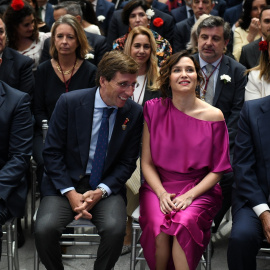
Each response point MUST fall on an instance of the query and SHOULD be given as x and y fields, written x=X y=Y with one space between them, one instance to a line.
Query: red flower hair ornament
x=263 y=45
x=17 y=5
x=158 y=22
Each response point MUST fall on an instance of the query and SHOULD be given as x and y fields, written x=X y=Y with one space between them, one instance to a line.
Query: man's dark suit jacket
x=182 y=34
x=106 y=9
x=97 y=42
x=231 y=15
x=118 y=28
x=67 y=145
x=49 y=19
x=229 y=97
x=16 y=71
x=252 y=155
x=15 y=147
x=250 y=55
x=179 y=14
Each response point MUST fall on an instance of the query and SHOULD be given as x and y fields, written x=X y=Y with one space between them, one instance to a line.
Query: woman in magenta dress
x=184 y=154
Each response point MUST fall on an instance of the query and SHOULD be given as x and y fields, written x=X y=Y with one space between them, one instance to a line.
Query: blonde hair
x=193 y=42
x=72 y=21
x=152 y=67
x=264 y=64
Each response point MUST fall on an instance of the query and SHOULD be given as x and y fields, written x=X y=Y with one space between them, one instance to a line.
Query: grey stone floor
x=219 y=261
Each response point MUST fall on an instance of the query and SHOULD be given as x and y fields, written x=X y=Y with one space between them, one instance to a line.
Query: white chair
x=10 y=238
x=137 y=251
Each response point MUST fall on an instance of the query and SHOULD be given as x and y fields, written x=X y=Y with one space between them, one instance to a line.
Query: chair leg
x=133 y=249
x=36 y=260
x=15 y=245
x=208 y=256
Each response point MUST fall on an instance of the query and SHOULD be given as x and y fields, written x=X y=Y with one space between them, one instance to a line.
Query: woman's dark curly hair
x=166 y=69
x=245 y=18
x=130 y=6
x=13 y=18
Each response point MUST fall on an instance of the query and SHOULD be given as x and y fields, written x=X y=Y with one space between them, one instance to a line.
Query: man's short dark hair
x=113 y=62
x=263 y=9
x=215 y=21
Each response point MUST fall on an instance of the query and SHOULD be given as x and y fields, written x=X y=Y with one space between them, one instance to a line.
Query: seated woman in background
x=258 y=84
x=248 y=29
x=135 y=14
x=185 y=151
x=89 y=20
x=66 y=71
x=141 y=46
x=22 y=30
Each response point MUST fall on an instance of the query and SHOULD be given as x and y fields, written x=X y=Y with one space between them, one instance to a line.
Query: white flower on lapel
x=101 y=18
x=150 y=13
x=89 y=56
x=225 y=78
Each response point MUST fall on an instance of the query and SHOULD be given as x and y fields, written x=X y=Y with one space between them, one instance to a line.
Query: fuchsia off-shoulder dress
x=184 y=149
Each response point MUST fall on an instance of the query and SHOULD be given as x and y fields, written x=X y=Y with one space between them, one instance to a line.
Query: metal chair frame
x=137 y=251
x=10 y=237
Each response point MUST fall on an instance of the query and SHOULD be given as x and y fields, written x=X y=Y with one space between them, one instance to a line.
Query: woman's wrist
x=162 y=194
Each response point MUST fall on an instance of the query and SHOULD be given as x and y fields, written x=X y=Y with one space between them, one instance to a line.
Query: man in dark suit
x=46 y=12
x=184 y=12
x=70 y=188
x=182 y=29
x=232 y=14
x=15 y=151
x=118 y=28
x=250 y=54
x=104 y=8
x=97 y=42
x=228 y=87
x=15 y=68
x=250 y=204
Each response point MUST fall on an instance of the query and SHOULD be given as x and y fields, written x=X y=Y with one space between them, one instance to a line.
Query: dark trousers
x=226 y=187
x=245 y=240
x=54 y=214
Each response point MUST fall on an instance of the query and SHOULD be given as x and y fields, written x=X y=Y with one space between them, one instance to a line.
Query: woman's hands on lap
x=183 y=201
x=166 y=203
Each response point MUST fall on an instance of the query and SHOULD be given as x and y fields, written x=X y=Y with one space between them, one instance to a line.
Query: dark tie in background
x=209 y=96
x=190 y=12
x=101 y=149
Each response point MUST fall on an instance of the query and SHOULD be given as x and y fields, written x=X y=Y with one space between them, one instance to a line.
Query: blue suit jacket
x=252 y=155
x=229 y=97
x=106 y=9
x=49 y=20
x=66 y=150
x=16 y=71
x=15 y=147
x=231 y=15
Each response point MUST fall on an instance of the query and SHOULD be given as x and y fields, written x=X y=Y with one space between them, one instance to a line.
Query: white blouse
x=256 y=88
x=35 y=50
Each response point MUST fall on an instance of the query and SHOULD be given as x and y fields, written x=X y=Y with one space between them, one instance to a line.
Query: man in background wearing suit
x=70 y=187
x=15 y=68
x=103 y=8
x=15 y=151
x=182 y=29
x=227 y=93
x=97 y=42
x=46 y=12
x=250 y=204
x=250 y=54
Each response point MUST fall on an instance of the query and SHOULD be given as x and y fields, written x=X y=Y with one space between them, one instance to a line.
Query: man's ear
x=226 y=42
x=102 y=81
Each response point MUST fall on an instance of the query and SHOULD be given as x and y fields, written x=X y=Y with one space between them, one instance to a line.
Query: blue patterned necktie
x=209 y=96
x=101 y=149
